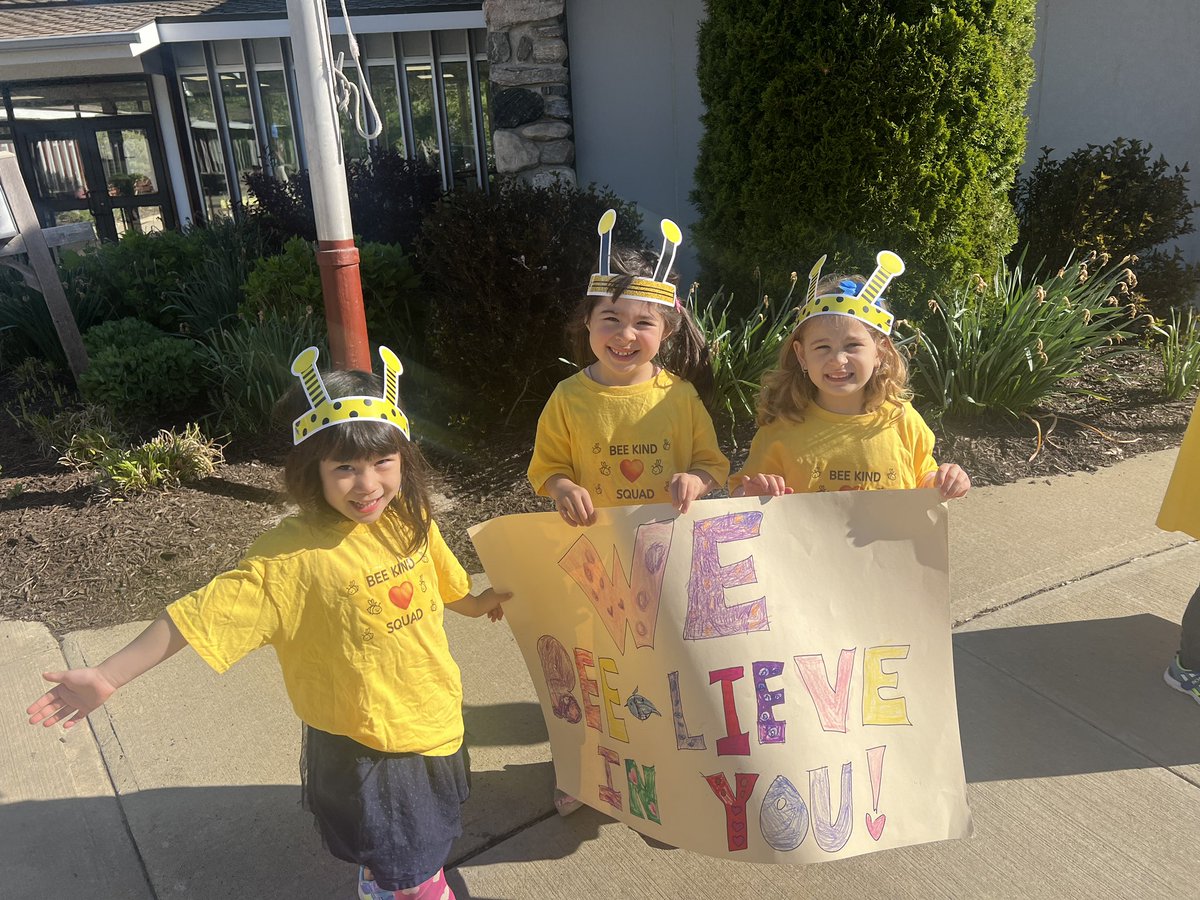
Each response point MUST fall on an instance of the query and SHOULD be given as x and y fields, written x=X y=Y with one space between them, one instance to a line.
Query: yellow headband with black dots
x=862 y=302
x=656 y=289
x=326 y=411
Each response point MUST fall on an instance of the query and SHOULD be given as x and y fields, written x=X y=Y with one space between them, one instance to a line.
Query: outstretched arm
x=486 y=603
x=80 y=691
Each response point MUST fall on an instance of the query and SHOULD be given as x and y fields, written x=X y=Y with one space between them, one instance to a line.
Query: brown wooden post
x=42 y=263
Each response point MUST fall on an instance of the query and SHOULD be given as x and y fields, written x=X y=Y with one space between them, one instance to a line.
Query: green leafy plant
x=289 y=285
x=28 y=329
x=137 y=370
x=1179 y=351
x=166 y=461
x=742 y=348
x=248 y=368
x=846 y=128
x=1113 y=199
x=1006 y=346
x=503 y=272
x=142 y=275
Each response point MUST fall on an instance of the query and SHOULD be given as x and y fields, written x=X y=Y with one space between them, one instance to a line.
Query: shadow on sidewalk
x=214 y=843
x=1090 y=698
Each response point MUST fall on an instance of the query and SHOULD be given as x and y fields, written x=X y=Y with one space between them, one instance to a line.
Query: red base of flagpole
x=341 y=286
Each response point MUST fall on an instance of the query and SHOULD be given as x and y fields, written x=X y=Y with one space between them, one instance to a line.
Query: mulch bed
x=74 y=558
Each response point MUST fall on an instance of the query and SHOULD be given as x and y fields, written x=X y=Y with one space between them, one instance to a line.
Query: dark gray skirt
x=395 y=813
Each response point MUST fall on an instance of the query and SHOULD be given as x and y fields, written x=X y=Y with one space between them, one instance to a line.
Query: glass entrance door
x=107 y=171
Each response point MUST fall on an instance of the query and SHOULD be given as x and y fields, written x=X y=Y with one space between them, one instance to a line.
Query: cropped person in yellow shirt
x=351 y=594
x=629 y=427
x=1181 y=512
x=835 y=415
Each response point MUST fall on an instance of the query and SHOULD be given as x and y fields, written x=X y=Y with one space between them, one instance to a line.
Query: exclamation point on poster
x=875 y=765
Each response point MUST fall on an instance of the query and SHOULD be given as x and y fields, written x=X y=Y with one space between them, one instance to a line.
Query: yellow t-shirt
x=356 y=624
x=1181 y=503
x=887 y=449
x=623 y=443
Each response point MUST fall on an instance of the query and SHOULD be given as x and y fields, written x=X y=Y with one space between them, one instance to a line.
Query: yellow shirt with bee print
x=623 y=443
x=891 y=448
x=356 y=624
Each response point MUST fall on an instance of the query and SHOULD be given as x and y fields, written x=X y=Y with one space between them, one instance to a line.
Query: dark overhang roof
x=57 y=18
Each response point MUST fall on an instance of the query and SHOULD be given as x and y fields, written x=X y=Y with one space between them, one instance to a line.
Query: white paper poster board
x=769 y=681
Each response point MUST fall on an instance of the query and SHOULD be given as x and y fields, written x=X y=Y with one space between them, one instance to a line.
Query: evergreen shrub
x=847 y=128
x=138 y=371
x=503 y=271
x=1113 y=199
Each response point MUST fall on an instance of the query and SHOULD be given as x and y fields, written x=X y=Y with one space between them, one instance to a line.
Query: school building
x=146 y=113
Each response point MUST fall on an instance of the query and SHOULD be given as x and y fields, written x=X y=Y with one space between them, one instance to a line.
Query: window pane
x=128 y=166
x=266 y=50
x=420 y=95
x=461 y=121
x=71 y=100
x=387 y=102
x=241 y=126
x=58 y=168
x=485 y=101
x=138 y=218
x=280 y=135
x=205 y=144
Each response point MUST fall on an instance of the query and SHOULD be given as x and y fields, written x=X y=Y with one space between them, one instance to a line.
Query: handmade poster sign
x=768 y=681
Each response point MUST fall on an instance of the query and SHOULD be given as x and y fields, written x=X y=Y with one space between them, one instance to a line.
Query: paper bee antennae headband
x=862 y=302
x=326 y=412
x=657 y=288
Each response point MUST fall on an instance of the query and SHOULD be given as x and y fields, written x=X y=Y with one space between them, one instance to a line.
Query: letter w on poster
x=769 y=681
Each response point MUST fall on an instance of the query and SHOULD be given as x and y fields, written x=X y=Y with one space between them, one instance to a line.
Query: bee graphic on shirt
x=424 y=584
x=816 y=473
x=596 y=447
x=666 y=443
x=352 y=588
x=891 y=474
x=368 y=635
x=605 y=469
x=657 y=468
x=598 y=491
x=373 y=607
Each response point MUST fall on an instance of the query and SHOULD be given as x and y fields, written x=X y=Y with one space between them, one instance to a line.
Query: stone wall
x=531 y=108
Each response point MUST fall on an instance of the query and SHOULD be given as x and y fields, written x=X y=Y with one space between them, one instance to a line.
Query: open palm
x=78 y=692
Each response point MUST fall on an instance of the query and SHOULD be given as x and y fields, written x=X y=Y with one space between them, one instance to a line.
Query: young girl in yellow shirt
x=351 y=594
x=630 y=426
x=835 y=415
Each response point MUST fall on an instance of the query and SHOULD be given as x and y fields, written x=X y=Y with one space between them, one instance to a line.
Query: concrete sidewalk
x=1083 y=769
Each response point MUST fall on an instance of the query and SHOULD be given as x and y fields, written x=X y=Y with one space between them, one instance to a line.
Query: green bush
x=141 y=274
x=248 y=368
x=289 y=285
x=847 y=128
x=138 y=371
x=1112 y=199
x=26 y=328
x=503 y=271
x=1006 y=346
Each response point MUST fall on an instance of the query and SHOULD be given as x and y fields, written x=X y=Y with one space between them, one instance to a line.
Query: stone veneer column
x=531 y=115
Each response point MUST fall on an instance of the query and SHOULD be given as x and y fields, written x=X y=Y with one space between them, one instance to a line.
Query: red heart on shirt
x=401 y=594
x=632 y=469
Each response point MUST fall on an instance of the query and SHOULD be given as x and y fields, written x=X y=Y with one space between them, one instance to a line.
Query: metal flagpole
x=337 y=257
